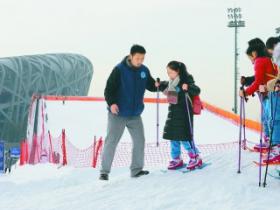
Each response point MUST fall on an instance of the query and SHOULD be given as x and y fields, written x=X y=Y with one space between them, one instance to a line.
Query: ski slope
x=216 y=187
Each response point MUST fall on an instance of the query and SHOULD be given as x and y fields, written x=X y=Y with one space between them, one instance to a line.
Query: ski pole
x=158 y=80
x=271 y=133
x=244 y=125
x=240 y=134
x=261 y=134
x=241 y=121
x=190 y=122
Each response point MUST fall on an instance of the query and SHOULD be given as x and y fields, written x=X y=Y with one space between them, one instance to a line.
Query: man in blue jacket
x=124 y=94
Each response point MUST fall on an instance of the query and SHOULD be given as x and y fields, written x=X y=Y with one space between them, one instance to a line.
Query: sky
x=194 y=32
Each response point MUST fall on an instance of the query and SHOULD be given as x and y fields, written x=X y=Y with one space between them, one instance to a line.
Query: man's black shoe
x=104 y=177
x=141 y=173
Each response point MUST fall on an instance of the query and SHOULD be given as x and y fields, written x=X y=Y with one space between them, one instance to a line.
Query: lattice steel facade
x=23 y=76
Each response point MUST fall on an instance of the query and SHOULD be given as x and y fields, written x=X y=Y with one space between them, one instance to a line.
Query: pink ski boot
x=175 y=164
x=195 y=161
x=264 y=147
x=274 y=157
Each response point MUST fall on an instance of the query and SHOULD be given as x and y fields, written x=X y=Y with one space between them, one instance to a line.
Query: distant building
x=23 y=76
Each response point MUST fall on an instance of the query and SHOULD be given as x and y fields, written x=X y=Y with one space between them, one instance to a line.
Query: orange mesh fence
x=62 y=151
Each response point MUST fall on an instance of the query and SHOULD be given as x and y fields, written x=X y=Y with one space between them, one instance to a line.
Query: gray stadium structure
x=24 y=76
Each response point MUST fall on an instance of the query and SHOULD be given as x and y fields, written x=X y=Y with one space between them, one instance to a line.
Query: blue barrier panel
x=15 y=152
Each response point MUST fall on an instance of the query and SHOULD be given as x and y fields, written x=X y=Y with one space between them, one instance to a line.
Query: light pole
x=234 y=16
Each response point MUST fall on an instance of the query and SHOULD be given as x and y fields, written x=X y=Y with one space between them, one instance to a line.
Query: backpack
x=197 y=105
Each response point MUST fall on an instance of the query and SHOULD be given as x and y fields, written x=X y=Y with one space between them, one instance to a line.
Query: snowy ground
x=217 y=187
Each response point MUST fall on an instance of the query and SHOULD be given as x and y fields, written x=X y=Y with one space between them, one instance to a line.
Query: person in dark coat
x=180 y=89
x=124 y=94
x=8 y=161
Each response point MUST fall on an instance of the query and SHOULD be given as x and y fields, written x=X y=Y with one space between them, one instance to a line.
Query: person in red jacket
x=265 y=70
x=270 y=45
x=247 y=81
